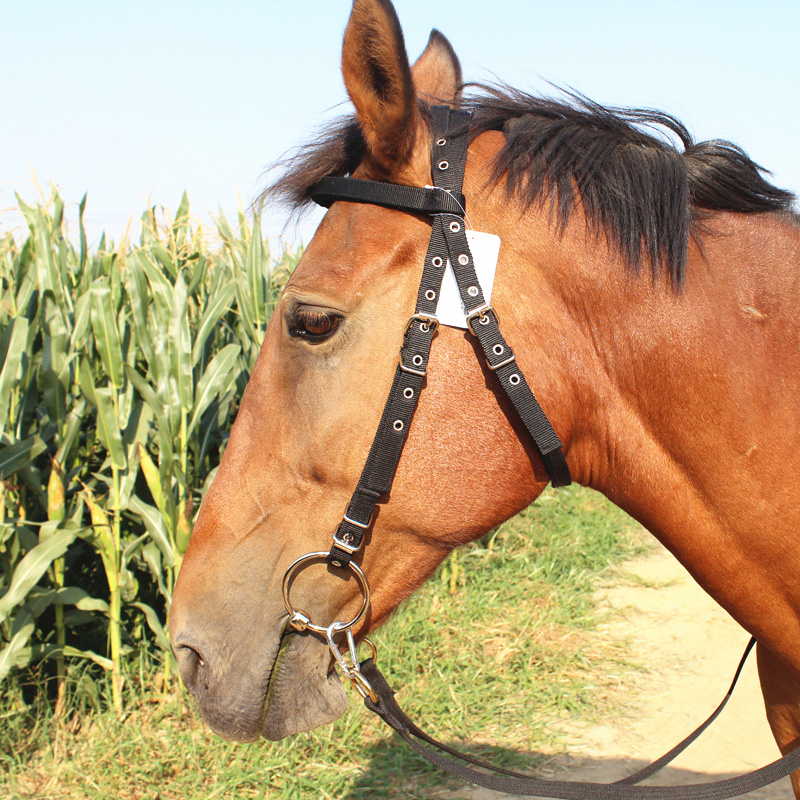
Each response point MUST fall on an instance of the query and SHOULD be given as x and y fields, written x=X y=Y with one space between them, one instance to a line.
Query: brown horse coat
x=667 y=360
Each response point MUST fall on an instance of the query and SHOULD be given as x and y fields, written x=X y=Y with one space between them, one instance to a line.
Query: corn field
x=120 y=373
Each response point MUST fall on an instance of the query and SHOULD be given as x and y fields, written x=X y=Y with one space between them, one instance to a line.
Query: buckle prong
x=480 y=313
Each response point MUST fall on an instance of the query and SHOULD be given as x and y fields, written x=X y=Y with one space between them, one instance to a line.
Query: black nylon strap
x=445 y=202
x=384 y=456
x=511 y=782
x=389 y=195
x=500 y=357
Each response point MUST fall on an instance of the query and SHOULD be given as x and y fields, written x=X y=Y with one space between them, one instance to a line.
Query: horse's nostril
x=192 y=666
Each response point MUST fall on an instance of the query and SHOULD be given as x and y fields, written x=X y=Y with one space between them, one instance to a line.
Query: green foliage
x=120 y=371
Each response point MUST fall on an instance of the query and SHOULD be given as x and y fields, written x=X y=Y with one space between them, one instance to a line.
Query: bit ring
x=299 y=620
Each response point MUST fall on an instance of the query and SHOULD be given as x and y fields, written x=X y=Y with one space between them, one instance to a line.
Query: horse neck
x=677 y=403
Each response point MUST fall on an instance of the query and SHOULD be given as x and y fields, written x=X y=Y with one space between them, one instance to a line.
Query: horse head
x=310 y=412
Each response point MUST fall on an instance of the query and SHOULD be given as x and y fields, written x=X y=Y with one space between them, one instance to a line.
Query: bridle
x=446 y=204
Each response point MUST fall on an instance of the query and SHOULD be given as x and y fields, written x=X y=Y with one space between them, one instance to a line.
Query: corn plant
x=43 y=418
x=119 y=373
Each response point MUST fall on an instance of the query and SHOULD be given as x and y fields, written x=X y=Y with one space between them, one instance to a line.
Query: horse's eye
x=313 y=323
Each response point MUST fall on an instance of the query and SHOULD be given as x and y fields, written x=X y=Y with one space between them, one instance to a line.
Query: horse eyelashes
x=313 y=324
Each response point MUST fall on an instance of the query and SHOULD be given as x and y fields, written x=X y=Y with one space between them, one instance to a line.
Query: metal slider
x=421 y=372
x=481 y=312
x=346 y=546
x=356 y=523
x=502 y=363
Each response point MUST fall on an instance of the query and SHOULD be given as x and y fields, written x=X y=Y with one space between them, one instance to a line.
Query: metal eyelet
x=408 y=392
x=455 y=227
x=417 y=361
x=430 y=295
x=472 y=291
x=398 y=425
x=443 y=165
x=441 y=142
x=513 y=379
x=498 y=349
x=437 y=262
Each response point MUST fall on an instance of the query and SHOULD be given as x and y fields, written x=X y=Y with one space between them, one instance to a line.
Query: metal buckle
x=481 y=312
x=429 y=320
x=346 y=546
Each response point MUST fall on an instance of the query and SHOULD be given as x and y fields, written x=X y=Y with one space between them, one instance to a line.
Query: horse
x=650 y=290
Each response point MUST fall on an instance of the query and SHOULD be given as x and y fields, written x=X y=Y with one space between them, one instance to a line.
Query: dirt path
x=688 y=648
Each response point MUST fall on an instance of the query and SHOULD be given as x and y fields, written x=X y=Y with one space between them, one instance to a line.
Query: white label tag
x=485 y=249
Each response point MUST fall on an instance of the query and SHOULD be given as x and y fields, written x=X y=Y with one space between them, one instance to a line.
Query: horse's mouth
x=303 y=690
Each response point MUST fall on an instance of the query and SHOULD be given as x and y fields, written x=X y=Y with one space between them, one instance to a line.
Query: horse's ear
x=377 y=76
x=437 y=73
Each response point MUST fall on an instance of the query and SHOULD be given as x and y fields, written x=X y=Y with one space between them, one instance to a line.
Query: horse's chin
x=304 y=690
x=301 y=692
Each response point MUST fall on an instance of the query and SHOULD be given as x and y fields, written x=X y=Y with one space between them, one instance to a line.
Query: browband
x=431 y=200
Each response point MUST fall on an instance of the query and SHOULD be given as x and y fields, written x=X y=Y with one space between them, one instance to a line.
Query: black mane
x=636 y=187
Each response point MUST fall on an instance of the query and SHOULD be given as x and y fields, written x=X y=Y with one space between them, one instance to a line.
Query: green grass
x=490 y=654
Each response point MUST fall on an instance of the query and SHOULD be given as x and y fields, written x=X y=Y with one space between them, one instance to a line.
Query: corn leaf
x=160 y=289
x=12 y=345
x=218 y=305
x=217 y=379
x=106 y=333
x=154 y=522
x=49 y=274
x=16 y=653
x=181 y=347
x=73 y=652
x=19 y=455
x=152 y=557
x=149 y=395
x=153 y=622
x=108 y=426
x=38 y=601
x=30 y=570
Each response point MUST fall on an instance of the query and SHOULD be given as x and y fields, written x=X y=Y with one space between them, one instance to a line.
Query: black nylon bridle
x=446 y=204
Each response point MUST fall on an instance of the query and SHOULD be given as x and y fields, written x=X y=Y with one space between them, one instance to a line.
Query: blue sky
x=133 y=102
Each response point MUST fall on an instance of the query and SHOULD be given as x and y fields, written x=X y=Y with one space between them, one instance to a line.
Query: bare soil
x=686 y=649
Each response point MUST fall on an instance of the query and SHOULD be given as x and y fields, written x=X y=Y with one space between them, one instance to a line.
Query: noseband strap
x=445 y=203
